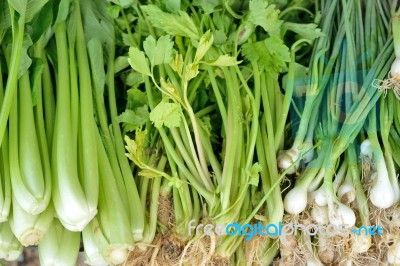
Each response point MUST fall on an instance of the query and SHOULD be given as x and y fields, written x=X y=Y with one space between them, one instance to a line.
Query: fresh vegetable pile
x=200 y=132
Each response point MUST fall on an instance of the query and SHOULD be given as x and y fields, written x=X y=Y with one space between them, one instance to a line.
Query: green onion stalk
x=346 y=129
x=392 y=81
x=319 y=76
x=362 y=243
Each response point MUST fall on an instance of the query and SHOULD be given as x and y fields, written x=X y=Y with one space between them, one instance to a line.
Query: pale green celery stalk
x=40 y=128
x=218 y=96
x=113 y=217
x=48 y=101
x=199 y=158
x=183 y=151
x=361 y=198
x=265 y=182
x=73 y=206
x=272 y=212
x=232 y=144
x=184 y=208
x=240 y=255
x=31 y=197
x=10 y=248
x=89 y=161
x=181 y=197
x=183 y=141
x=270 y=252
x=95 y=50
x=197 y=150
x=196 y=206
x=209 y=196
x=59 y=246
x=184 y=137
x=92 y=250
x=212 y=158
x=151 y=225
x=244 y=157
x=5 y=183
x=30 y=229
x=12 y=79
x=268 y=137
x=137 y=213
x=29 y=153
x=74 y=92
x=194 y=85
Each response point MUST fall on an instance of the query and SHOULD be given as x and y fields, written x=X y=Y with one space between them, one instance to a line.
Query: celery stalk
x=74 y=206
x=10 y=248
x=59 y=246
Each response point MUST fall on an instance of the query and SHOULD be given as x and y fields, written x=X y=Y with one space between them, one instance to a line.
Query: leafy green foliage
x=265 y=15
x=254 y=174
x=160 y=51
x=138 y=61
x=132 y=119
x=35 y=76
x=27 y=8
x=42 y=22
x=136 y=98
x=223 y=60
x=26 y=61
x=308 y=31
x=271 y=54
x=172 y=24
x=208 y=6
x=97 y=65
x=167 y=114
x=97 y=22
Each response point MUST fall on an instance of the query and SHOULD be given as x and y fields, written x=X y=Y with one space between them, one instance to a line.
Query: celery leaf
x=254 y=174
x=172 y=24
x=138 y=61
x=308 y=31
x=167 y=114
x=265 y=15
x=271 y=54
x=132 y=119
x=136 y=98
x=208 y=6
x=160 y=51
x=223 y=60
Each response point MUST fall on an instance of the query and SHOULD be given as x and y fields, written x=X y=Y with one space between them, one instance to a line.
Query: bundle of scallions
x=168 y=132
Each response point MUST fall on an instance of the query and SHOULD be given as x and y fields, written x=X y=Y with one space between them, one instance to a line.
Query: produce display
x=205 y=132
